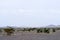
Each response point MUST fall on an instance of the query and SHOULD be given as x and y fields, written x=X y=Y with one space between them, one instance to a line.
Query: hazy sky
x=29 y=12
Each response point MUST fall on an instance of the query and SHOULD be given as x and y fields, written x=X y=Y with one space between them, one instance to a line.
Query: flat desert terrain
x=32 y=36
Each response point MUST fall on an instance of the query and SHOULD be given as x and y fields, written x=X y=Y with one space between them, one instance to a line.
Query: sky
x=32 y=13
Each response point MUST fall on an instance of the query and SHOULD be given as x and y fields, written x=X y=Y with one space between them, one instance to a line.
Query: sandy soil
x=32 y=36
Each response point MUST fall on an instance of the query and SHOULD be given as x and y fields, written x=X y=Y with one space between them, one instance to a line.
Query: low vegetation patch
x=9 y=30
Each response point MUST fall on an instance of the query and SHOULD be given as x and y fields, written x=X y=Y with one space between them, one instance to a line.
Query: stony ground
x=32 y=36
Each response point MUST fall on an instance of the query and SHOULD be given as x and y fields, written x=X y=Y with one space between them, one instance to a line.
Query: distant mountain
x=53 y=26
x=49 y=26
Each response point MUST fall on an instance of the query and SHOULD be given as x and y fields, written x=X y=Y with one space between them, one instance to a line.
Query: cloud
x=54 y=11
x=16 y=12
x=24 y=10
